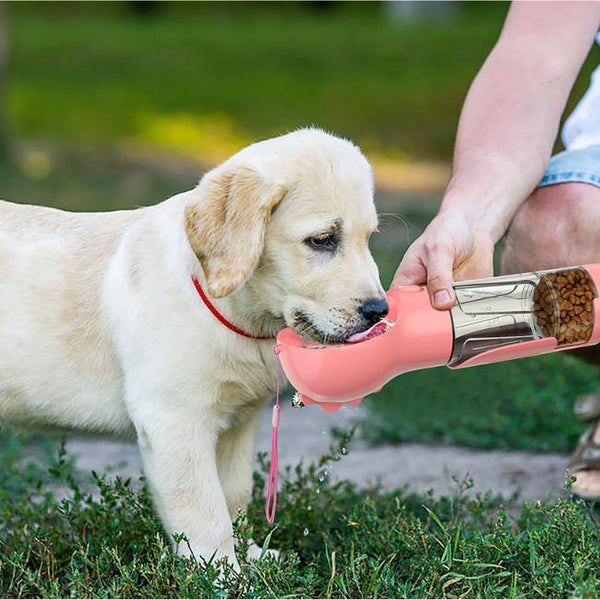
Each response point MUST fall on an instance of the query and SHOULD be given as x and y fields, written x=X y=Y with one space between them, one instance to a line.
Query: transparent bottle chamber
x=492 y=313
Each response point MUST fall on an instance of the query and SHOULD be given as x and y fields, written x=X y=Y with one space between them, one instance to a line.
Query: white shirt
x=582 y=128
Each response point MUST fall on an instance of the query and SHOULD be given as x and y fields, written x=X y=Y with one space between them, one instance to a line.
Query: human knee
x=547 y=229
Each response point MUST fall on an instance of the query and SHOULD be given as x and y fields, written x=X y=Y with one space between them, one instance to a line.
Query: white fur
x=102 y=331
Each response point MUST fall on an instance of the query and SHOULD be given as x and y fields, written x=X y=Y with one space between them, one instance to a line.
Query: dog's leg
x=179 y=456
x=235 y=454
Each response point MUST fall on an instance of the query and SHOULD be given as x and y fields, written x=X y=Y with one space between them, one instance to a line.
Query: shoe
x=587 y=407
x=586 y=457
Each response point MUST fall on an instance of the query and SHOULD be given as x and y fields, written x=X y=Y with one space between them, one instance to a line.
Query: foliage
x=61 y=537
x=519 y=404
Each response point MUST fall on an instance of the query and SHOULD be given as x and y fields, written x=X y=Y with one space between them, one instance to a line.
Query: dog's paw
x=256 y=552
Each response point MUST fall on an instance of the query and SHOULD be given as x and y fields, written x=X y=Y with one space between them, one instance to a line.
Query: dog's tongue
x=370 y=333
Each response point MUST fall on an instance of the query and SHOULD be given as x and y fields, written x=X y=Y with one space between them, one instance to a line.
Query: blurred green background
x=116 y=105
x=207 y=77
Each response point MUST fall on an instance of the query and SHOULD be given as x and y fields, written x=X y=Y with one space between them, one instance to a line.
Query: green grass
x=208 y=75
x=80 y=179
x=206 y=78
x=104 y=540
x=523 y=404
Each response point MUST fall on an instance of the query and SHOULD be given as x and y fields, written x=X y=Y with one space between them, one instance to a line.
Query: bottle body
x=557 y=305
x=495 y=319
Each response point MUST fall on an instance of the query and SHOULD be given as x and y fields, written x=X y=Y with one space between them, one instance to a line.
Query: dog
x=103 y=328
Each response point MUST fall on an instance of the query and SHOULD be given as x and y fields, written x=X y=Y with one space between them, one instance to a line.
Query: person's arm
x=505 y=135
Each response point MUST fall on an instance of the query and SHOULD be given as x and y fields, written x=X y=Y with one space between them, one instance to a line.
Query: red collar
x=221 y=318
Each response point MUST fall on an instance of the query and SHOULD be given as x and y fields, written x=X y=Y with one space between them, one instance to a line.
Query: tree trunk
x=3 y=61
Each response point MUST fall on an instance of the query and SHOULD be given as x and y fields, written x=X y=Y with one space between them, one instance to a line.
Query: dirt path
x=304 y=434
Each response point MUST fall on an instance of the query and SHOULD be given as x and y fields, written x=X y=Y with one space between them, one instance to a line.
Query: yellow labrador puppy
x=103 y=330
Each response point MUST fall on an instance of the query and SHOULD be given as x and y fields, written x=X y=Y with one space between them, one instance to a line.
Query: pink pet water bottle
x=495 y=319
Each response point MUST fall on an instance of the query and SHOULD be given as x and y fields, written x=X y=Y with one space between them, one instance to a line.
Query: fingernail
x=441 y=298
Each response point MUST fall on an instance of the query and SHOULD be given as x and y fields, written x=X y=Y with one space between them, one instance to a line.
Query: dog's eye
x=323 y=243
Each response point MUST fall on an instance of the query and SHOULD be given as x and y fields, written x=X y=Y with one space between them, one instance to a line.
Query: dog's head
x=289 y=220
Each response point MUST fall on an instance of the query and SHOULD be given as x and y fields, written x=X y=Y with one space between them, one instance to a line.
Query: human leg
x=558 y=226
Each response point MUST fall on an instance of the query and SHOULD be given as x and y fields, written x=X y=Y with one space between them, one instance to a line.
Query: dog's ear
x=226 y=225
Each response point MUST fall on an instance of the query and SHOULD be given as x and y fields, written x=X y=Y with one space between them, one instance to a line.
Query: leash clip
x=271 y=501
x=297 y=401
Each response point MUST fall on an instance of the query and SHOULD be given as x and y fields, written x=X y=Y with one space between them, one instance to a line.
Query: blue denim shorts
x=582 y=166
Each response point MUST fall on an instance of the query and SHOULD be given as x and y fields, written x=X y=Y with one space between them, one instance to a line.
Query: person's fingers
x=429 y=263
x=410 y=272
x=449 y=249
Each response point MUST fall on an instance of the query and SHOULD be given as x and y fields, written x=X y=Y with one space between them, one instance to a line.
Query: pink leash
x=271 y=503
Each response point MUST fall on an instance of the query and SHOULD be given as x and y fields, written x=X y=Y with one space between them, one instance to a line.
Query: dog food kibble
x=562 y=306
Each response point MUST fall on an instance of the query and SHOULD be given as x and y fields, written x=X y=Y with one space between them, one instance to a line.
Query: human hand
x=450 y=248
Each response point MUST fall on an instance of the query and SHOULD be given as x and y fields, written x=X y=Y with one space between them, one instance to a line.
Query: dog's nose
x=373 y=310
